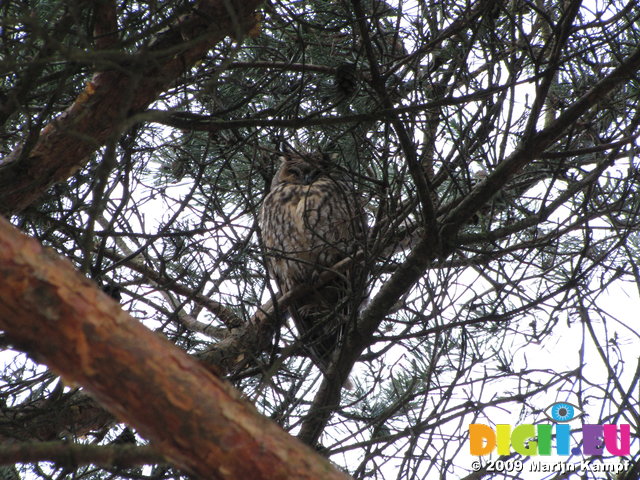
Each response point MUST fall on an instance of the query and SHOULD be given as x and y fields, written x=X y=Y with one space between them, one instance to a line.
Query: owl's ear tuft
x=279 y=159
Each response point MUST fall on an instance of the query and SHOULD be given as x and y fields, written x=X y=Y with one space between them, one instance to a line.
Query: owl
x=311 y=219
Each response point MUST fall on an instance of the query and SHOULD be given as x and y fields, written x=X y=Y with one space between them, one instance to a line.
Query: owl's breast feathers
x=307 y=228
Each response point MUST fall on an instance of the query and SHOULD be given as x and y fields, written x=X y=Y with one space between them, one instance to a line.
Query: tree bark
x=113 y=97
x=197 y=421
x=72 y=454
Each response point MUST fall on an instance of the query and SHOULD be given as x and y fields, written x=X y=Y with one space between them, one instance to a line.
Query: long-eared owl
x=310 y=220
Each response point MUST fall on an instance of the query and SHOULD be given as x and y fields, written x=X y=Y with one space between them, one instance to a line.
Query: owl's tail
x=321 y=322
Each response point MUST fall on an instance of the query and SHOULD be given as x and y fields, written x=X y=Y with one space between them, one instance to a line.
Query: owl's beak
x=311 y=176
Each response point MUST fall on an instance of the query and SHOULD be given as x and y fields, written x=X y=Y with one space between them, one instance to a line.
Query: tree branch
x=162 y=280
x=534 y=146
x=74 y=455
x=423 y=186
x=426 y=250
x=211 y=123
x=198 y=422
x=114 y=96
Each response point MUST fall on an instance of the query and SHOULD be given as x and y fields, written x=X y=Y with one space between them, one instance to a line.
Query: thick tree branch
x=79 y=414
x=105 y=29
x=74 y=455
x=114 y=96
x=198 y=422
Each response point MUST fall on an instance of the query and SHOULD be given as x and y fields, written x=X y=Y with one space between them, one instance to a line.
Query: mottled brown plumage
x=310 y=220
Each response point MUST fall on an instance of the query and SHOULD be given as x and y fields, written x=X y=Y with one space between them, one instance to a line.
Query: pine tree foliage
x=493 y=145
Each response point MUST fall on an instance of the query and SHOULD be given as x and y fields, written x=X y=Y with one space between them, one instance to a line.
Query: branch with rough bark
x=195 y=420
x=78 y=413
x=112 y=97
x=73 y=455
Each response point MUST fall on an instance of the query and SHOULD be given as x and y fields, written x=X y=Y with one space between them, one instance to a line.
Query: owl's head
x=302 y=169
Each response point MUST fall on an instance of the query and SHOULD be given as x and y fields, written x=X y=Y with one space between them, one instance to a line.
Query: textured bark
x=80 y=414
x=74 y=455
x=112 y=97
x=197 y=421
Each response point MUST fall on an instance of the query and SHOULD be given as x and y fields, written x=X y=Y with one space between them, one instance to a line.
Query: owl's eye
x=562 y=412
